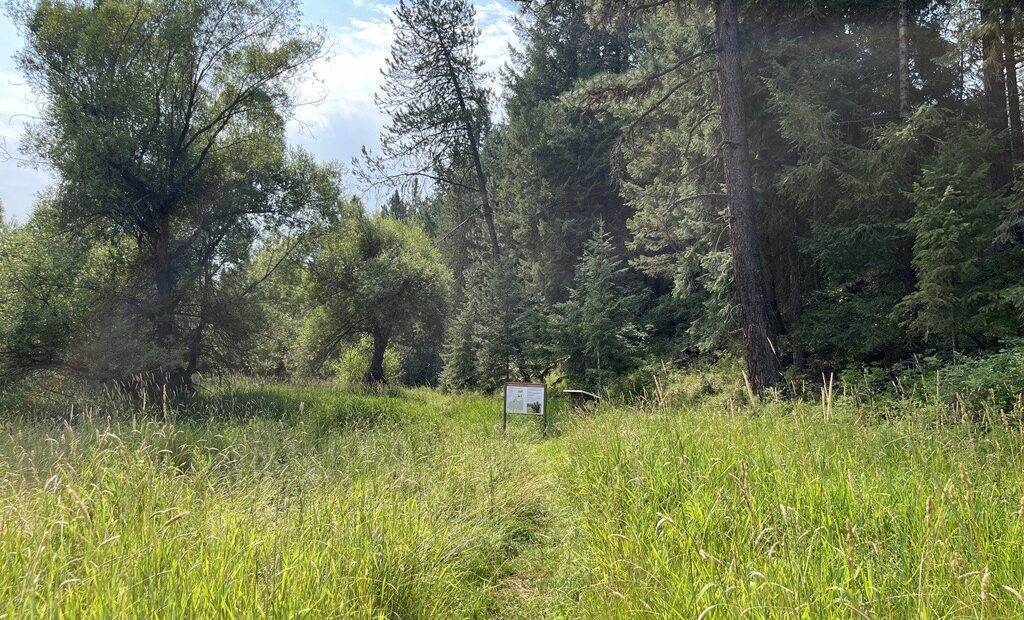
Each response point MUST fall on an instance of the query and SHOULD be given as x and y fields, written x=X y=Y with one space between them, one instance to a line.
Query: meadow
x=287 y=501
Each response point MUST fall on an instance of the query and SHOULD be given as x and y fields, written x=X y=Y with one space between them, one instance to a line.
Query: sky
x=342 y=119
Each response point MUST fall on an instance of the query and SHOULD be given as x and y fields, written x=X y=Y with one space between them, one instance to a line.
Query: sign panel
x=525 y=399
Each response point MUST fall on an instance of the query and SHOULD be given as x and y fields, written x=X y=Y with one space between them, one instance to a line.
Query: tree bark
x=1012 y=87
x=993 y=76
x=375 y=373
x=904 y=68
x=758 y=314
x=795 y=292
x=492 y=232
x=195 y=347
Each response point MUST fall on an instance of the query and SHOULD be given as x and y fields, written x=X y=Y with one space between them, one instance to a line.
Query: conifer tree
x=597 y=334
x=436 y=102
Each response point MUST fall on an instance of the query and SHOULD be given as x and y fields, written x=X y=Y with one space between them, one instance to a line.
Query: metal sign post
x=525 y=399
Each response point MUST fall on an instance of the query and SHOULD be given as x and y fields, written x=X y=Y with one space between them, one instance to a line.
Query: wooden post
x=545 y=432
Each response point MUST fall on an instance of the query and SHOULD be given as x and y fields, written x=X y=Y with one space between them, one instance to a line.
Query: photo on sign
x=525 y=399
x=535 y=400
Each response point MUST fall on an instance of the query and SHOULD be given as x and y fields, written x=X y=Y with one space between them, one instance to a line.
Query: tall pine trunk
x=473 y=133
x=1012 y=87
x=904 y=68
x=758 y=313
x=993 y=75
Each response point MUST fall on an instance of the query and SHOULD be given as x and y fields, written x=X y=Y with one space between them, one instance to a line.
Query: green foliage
x=59 y=302
x=278 y=310
x=459 y=353
x=164 y=122
x=553 y=164
x=595 y=327
x=995 y=380
x=954 y=224
x=376 y=277
x=350 y=367
x=502 y=331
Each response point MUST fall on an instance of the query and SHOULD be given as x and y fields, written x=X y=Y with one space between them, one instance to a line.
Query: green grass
x=289 y=501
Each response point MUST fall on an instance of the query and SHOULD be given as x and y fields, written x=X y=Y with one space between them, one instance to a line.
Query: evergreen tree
x=395 y=208
x=595 y=326
x=553 y=163
x=954 y=225
x=459 y=352
x=437 y=105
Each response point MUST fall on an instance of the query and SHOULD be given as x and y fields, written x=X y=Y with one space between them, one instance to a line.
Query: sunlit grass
x=258 y=500
x=406 y=513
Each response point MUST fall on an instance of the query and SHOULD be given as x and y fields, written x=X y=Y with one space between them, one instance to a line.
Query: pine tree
x=954 y=225
x=395 y=208
x=436 y=102
x=596 y=330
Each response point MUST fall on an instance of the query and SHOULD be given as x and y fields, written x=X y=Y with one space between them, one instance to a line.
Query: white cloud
x=348 y=79
x=20 y=184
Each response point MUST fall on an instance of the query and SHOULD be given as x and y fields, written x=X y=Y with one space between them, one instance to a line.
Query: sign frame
x=521 y=404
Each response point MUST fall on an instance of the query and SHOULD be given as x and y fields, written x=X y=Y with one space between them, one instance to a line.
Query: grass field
x=285 y=501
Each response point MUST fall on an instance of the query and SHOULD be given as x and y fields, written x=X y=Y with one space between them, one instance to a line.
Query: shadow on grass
x=323 y=406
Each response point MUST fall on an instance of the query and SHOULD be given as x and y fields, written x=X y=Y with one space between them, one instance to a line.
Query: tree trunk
x=163 y=280
x=993 y=76
x=795 y=292
x=904 y=69
x=195 y=346
x=758 y=315
x=1012 y=87
x=473 y=133
x=170 y=373
x=492 y=232
x=375 y=373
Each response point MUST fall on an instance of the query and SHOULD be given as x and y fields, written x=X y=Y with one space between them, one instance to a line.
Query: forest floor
x=296 y=501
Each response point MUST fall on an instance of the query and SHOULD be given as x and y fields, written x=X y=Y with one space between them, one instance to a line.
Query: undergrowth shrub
x=995 y=380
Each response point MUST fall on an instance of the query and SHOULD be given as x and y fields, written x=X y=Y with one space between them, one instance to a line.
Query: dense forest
x=814 y=186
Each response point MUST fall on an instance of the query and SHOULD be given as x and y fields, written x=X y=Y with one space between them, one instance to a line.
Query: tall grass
x=282 y=501
x=679 y=515
x=258 y=517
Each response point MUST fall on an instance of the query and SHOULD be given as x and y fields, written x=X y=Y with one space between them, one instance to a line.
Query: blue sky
x=335 y=129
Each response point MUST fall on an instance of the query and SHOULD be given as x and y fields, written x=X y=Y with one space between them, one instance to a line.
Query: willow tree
x=164 y=121
x=375 y=277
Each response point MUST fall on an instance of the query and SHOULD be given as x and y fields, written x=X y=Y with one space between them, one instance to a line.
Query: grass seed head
x=985 y=582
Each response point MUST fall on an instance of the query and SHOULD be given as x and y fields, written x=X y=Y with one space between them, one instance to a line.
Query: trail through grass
x=285 y=501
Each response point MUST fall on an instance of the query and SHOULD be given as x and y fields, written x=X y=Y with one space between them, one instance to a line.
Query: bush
x=351 y=366
x=996 y=380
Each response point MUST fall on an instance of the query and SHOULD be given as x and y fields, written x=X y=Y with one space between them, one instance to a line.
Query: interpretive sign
x=525 y=399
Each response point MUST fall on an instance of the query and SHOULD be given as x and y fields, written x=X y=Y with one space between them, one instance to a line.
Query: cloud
x=347 y=80
x=20 y=185
x=344 y=116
